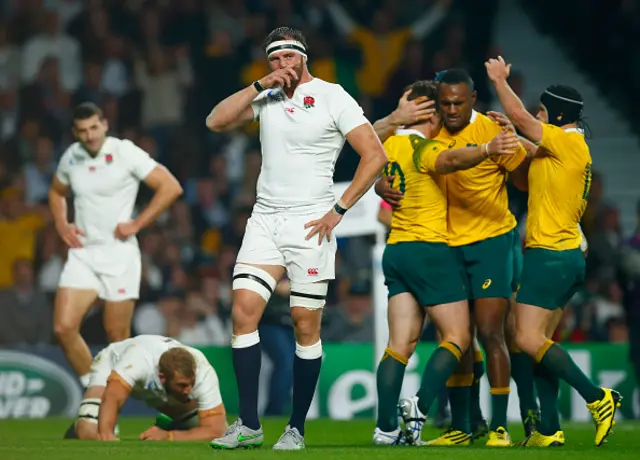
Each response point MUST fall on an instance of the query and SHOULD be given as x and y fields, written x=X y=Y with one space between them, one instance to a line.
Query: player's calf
x=307 y=301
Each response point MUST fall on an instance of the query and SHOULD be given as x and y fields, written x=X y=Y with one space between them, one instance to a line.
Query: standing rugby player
x=303 y=125
x=482 y=229
x=554 y=266
x=104 y=174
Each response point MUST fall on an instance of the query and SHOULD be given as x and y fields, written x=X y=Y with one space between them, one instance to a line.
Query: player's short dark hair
x=86 y=110
x=423 y=88
x=455 y=77
x=177 y=360
x=285 y=33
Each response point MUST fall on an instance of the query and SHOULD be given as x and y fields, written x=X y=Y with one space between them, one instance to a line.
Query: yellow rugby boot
x=499 y=438
x=603 y=413
x=537 y=439
x=451 y=437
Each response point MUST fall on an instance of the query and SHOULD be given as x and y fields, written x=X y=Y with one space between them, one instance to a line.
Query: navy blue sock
x=246 y=364
x=306 y=372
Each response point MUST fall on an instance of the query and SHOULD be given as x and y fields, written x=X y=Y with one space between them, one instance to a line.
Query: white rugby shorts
x=113 y=271
x=279 y=239
x=101 y=367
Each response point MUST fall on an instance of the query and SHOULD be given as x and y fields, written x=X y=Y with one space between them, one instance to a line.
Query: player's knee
x=66 y=329
x=528 y=341
x=402 y=346
x=307 y=301
x=461 y=339
x=491 y=333
x=252 y=289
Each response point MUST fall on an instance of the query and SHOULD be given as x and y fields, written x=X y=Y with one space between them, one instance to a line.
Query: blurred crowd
x=157 y=68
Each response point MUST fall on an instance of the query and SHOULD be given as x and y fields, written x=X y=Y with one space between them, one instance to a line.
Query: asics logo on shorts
x=486 y=283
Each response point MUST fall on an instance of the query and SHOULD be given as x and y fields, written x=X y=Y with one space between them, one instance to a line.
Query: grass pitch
x=325 y=439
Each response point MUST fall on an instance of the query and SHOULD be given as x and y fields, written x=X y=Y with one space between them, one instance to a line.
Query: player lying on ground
x=172 y=378
x=482 y=230
x=103 y=174
x=554 y=266
x=421 y=270
x=304 y=123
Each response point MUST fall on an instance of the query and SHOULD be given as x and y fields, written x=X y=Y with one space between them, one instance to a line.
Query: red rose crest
x=108 y=158
x=309 y=101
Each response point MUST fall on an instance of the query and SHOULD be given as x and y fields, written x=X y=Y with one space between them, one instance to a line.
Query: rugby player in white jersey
x=103 y=173
x=168 y=376
x=303 y=125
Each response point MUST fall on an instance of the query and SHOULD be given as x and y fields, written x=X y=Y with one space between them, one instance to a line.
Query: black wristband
x=258 y=86
x=339 y=209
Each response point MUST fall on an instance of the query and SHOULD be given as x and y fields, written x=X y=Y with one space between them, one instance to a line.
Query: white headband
x=290 y=45
x=562 y=98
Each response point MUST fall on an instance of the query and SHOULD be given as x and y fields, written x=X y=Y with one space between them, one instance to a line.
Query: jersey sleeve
x=552 y=138
x=346 y=112
x=426 y=155
x=207 y=391
x=511 y=162
x=260 y=101
x=130 y=368
x=64 y=167
x=139 y=162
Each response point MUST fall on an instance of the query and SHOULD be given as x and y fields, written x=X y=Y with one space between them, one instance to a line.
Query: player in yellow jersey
x=482 y=229
x=554 y=266
x=420 y=268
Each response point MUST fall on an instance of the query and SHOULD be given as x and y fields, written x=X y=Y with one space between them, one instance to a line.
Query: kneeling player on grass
x=421 y=270
x=175 y=379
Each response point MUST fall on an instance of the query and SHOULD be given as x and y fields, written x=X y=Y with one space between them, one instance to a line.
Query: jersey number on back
x=587 y=181
x=393 y=169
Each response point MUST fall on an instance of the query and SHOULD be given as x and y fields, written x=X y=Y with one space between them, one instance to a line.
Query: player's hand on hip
x=497 y=69
x=126 y=229
x=70 y=235
x=502 y=120
x=505 y=143
x=323 y=227
x=418 y=109
x=279 y=78
x=384 y=190
x=154 y=434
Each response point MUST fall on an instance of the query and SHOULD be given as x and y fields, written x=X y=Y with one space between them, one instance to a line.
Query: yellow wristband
x=170 y=433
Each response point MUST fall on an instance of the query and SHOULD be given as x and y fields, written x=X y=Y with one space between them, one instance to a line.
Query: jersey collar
x=408 y=132
x=574 y=130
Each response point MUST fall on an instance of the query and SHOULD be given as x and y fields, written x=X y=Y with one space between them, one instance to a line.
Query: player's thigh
x=70 y=307
x=453 y=322
x=550 y=278
x=117 y=317
x=428 y=271
x=489 y=266
x=405 y=318
x=88 y=412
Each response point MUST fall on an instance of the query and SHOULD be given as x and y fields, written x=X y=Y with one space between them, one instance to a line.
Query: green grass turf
x=326 y=439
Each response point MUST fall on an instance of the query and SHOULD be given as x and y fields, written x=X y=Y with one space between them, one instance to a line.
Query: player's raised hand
x=279 y=78
x=502 y=120
x=126 y=229
x=409 y=112
x=505 y=143
x=323 y=227
x=385 y=191
x=70 y=235
x=497 y=69
x=154 y=434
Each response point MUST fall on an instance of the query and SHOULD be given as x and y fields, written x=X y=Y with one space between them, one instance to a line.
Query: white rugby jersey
x=301 y=139
x=135 y=361
x=105 y=186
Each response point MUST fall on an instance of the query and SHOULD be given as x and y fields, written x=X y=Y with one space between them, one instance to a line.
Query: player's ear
x=105 y=122
x=474 y=96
